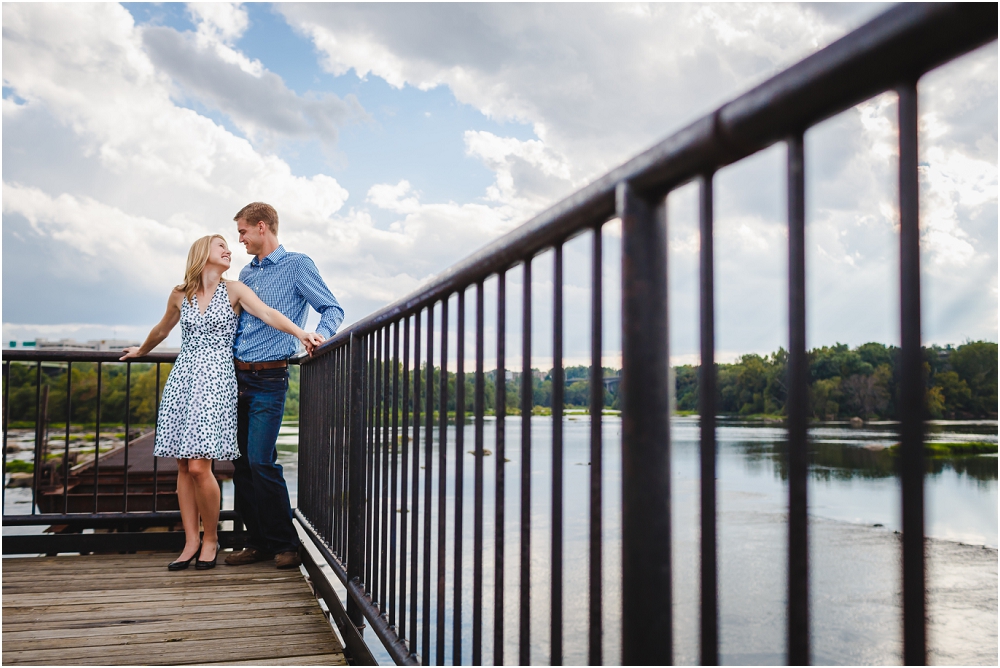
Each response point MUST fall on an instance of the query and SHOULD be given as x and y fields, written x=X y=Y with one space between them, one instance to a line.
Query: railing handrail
x=909 y=39
x=26 y=355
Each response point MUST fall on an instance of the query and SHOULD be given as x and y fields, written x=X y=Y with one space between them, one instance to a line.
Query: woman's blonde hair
x=197 y=259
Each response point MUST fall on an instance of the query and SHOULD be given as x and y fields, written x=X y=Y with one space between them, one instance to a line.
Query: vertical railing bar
x=706 y=391
x=356 y=479
x=69 y=417
x=645 y=526
x=337 y=424
x=798 y=388
x=456 y=652
x=501 y=411
x=336 y=392
x=428 y=466
x=128 y=424
x=524 y=622
x=327 y=377
x=338 y=389
x=156 y=418
x=912 y=391
x=6 y=392
x=442 y=538
x=344 y=472
x=370 y=498
x=393 y=485
x=404 y=481
x=376 y=583
x=97 y=439
x=39 y=437
x=477 y=545
x=384 y=449
x=556 y=615
x=596 y=575
x=415 y=505
x=340 y=460
x=307 y=447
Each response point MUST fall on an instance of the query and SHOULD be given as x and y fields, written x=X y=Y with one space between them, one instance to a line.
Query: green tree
x=976 y=364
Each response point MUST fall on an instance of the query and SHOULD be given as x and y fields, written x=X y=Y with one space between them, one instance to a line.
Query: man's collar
x=273 y=258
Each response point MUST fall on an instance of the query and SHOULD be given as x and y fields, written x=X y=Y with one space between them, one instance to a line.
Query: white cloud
x=597 y=83
x=219 y=25
x=207 y=69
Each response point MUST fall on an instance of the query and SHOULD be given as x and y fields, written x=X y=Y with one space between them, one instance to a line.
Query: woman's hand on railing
x=130 y=352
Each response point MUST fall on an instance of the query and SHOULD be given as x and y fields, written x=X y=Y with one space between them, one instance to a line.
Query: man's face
x=251 y=236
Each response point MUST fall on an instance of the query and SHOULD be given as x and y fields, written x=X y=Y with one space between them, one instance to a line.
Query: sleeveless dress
x=197 y=418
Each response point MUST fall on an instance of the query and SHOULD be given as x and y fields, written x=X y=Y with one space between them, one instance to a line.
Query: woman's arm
x=162 y=328
x=272 y=317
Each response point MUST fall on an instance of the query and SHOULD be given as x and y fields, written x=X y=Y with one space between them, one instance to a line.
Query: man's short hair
x=254 y=212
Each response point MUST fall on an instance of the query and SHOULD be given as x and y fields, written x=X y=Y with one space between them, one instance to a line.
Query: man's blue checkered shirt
x=290 y=283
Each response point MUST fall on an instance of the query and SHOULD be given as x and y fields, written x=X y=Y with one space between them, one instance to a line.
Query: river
x=854 y=550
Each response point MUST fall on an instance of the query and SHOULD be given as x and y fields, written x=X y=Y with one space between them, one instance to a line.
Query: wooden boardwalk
x=128 y=609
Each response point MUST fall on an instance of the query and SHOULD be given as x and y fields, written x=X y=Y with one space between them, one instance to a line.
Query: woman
x=197 y=418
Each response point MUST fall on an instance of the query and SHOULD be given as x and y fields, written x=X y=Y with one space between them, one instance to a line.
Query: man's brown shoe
x=247 y=555
x=287 y=560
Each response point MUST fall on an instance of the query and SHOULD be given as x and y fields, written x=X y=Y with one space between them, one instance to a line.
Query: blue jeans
x=261 y=492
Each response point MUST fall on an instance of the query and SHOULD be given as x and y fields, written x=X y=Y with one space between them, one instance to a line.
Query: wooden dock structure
x=128 y=609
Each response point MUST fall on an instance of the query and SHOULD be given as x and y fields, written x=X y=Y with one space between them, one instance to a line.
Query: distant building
x=73 y=344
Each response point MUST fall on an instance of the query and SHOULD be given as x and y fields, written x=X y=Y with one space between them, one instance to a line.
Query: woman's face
x=220 y=253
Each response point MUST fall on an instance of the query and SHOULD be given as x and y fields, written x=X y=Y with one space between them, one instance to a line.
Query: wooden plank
x=144 y=611
x=157 y=642
x=160 y=570
x=124 y=567
x=98 y=561
x=194 y=651
x=312 y=660
x=307 y=618
x=128 y=609
x=185 y=616
x=215 y=593
x=219 y=632
x=169 y=597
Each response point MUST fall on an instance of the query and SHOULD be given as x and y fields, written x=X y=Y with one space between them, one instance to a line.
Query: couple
x=218 y=407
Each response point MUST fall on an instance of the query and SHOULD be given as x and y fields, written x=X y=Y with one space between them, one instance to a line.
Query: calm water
x=854 y=511
x=855 y=562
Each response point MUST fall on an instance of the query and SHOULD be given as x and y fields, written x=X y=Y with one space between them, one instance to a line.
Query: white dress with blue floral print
x=197 y=418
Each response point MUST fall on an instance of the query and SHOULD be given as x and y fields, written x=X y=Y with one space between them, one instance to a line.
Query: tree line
x=860 y=382
x=24 y=395
x=843 y=382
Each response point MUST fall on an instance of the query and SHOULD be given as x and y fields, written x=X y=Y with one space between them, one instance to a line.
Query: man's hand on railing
x=312 y=340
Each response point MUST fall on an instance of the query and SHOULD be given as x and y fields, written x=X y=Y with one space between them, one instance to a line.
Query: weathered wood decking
x=128 y=609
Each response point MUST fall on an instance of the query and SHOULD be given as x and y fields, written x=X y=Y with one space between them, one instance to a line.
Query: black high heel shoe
x=182 y=565
x=200 y=565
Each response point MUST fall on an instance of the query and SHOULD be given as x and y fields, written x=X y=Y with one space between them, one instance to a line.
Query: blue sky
x=411 y=134
x=396 y=139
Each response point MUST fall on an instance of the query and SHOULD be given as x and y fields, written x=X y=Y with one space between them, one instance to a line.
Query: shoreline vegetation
x=844 y=383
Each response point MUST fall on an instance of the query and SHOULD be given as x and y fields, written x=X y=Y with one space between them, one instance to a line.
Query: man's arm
x=311 y=286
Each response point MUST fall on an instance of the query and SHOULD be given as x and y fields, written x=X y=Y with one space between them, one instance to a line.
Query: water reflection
x=854 y=509
x=837 y=451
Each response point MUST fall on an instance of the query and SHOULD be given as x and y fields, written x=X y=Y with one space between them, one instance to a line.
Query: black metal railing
x=124 y=489
x=363 y=399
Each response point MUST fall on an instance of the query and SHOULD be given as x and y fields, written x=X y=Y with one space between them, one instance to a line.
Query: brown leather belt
x=259 y=366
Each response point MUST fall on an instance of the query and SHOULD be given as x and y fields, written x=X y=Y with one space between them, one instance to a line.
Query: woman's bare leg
x=189 y=510
x=206 y=491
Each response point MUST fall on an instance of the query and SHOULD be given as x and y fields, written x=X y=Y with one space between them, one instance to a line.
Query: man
x=289 y=283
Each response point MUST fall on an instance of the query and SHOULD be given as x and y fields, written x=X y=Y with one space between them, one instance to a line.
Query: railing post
x=356 y=479
x=911 y=387
x=647 y=637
